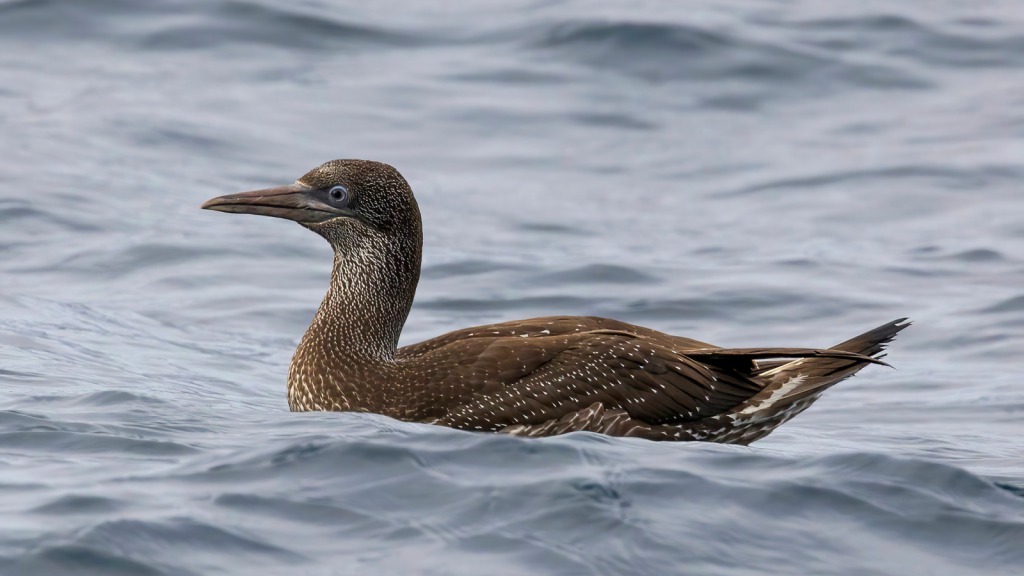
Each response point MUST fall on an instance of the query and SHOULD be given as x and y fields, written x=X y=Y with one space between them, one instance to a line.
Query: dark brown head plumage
x=377 y=193
x=533 y=377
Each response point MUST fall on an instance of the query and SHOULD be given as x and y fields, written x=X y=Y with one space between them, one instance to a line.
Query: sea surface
x=749 y=173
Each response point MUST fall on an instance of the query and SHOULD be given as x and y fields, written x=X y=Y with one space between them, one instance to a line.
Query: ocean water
x=749 y=173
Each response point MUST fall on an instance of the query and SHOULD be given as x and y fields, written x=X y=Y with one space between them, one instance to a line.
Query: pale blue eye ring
x=338 y=193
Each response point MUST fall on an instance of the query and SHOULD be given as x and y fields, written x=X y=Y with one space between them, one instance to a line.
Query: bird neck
x=371 y=293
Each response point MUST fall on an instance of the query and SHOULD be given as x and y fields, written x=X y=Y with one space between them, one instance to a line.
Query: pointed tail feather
x=793 y=385
x=821 y=373
x=873 y=342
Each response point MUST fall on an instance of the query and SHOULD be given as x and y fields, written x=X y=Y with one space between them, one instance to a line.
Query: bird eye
x=338 y=194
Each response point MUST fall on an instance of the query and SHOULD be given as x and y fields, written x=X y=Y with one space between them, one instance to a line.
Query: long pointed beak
x=294 y=202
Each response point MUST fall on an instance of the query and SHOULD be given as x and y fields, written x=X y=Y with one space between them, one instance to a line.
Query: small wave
x=510 y=76
x=15 y=375
x=162 y=539
x=761 y=305
x=1015 y=304
x=751 y=306
x=72 y=560
x=19 y=211
x=78 y=442
x=116 y=397
x=464 y=268
x=318 y=512
x=144 y=548
x=160 y=25
x=598 y=274
x=251 y=23
x=973 y=256
x=964 y=46
x=1017 y=489
x=127 y=260
x=102 y=398
x=553 y=228
x=617 y=121
x=678 y=52
x=979 y=255
x=565 y=304
x=948 y=178
x=180 y=136
x=80 y=504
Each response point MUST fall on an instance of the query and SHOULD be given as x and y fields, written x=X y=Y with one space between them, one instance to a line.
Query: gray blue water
x=748 y=173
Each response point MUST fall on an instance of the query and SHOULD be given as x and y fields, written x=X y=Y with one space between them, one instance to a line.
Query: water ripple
x=747 y=173
x=681 y=53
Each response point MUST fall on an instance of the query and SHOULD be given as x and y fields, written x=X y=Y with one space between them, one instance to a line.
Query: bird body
x=535 y=377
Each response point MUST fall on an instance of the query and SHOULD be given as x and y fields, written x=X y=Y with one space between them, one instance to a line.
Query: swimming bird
x=535 y=377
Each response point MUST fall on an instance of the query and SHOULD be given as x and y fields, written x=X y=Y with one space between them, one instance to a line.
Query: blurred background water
x=749 y=173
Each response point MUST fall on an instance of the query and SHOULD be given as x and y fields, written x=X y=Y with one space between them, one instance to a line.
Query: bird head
x=339 y=200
